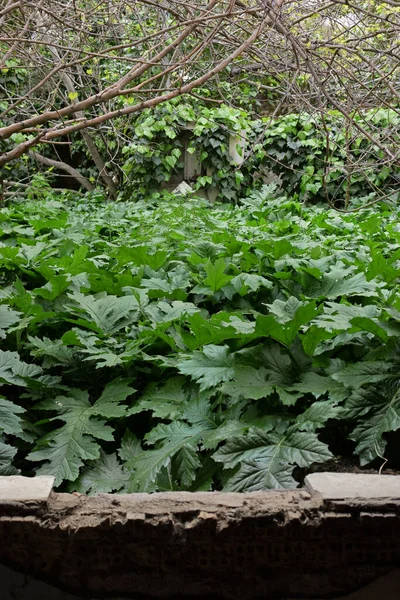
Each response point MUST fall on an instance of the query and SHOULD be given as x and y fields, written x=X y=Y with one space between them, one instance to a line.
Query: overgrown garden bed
x=170 y=345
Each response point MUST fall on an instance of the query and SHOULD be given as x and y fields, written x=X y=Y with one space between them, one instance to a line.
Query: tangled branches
x=70 y=66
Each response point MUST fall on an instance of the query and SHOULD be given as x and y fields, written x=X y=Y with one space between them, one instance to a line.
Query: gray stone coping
x=326 y=541
x=329 y=486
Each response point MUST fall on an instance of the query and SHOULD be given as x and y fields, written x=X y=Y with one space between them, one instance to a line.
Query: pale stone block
x=343 y=486
x=25 y=489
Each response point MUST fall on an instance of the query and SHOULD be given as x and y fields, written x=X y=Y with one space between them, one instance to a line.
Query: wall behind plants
x=314 y=158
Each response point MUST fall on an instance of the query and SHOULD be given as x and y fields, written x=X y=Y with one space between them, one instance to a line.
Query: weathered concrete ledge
x=321 y=542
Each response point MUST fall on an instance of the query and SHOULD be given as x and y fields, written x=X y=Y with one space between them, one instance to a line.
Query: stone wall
x=269 y=545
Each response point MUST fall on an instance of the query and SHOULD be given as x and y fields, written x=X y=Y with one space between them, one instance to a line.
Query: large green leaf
x=10 y=421
x=109 y=313
x=66 y=449
x=177 y=437
x=105 y=475
x=165 y=401
x=293 y=448
x=216 y=278
x=211 y=366
x=379 y=409
x=7 y=454
x=14 y=371
x=7 y=318
x=249 y=383
x=254 y=476
x=361 y=373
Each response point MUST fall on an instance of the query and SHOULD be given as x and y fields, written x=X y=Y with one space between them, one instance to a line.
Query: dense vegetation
x=292 y=147
x=151 y=340
x=167 y=344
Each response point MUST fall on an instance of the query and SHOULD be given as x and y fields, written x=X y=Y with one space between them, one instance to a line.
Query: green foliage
x=169 y=345
x=312 y=156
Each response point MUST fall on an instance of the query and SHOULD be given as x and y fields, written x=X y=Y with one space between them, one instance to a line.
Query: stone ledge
x=30 y=490
x=270 y=545
x=381 y=492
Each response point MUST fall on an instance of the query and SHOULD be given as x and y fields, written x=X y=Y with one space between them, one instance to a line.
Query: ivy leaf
x=213 y=365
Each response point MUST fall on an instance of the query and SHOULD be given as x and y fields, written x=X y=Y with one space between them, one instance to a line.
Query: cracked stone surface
x=272 y=545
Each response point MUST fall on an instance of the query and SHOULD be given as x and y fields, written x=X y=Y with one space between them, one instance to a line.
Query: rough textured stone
x=345 y=486
x=263 y=545
x=16 y=489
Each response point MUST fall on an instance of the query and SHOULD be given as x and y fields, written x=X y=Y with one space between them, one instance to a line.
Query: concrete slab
x=348 y=486
x=19 y=489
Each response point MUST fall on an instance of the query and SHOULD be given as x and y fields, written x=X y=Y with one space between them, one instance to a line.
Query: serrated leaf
x=8 y=317
x=53 y=352
x=109 y=313
x=148 y=464
x=249 y=383
x=254 y=476
x=294 y=448
x=66 y=449
x=285 y=311
x=105 y=475
x=318 y=385
x=361 y=373
x=14 y=371
x=198 y=411
x=185 y=463
x=165 y=402
x=245 y=282
x=379 y=409
x=10 y=421
x=339 y=282
x=130 y=446
x=317 y=415
x=115 y=392
x=7 y=454
x=339 y=316
x=216 y=277
x=208 y=368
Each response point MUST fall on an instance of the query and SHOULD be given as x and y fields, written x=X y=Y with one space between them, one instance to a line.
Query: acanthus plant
x=170 y=345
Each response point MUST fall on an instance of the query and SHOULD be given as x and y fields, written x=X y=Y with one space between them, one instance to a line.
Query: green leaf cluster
x=169 y=345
